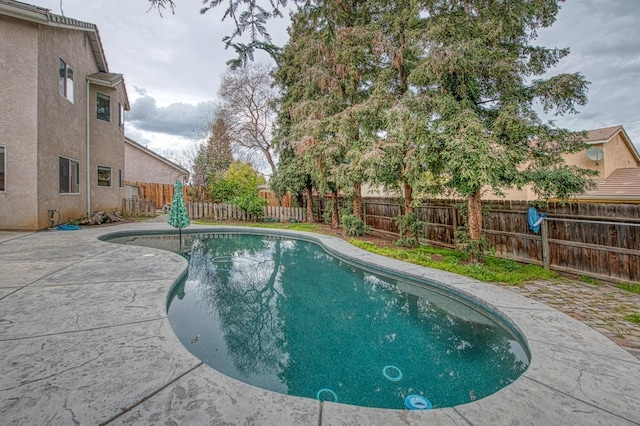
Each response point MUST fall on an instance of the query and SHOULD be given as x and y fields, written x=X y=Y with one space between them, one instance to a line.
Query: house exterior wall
x=580 y=159
x=38 y=125
x=142 y=167
x=61 y=123
x=107 y=149
x=18 y=122
x=618 y=156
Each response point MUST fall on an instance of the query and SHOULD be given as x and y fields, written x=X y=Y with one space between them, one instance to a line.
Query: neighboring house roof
x=622 y=184
x=604 y=135
x=159 y=157
x=42 y=16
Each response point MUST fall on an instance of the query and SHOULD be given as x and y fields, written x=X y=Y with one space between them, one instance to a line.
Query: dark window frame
x=103 y=112
x=3 y=168
x=101 y=176
x=65 y=76
x=120 y=115
x=69 y=182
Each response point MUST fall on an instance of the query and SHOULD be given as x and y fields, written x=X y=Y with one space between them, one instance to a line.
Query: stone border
x=84 y=338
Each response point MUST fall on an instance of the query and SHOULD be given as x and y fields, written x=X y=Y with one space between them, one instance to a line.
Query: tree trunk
x=408 y=205
x=408 y=198
x=475 y=216
x=309 y=195
x=357 y=200
x=335 y=219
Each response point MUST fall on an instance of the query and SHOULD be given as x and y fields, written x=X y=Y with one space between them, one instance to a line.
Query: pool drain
x=329 y=391
x=391 y=372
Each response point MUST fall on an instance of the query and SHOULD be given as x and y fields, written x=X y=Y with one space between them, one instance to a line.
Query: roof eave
x=44 y=16
x=23 y=14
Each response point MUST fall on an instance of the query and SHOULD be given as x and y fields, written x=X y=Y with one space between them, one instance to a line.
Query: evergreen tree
x=213 y=156
x=478 y=77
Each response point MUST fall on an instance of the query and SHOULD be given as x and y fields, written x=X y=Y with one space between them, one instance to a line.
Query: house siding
x=143 y=167
x=38 y=125
x=107 y=149
x=62 y=124
x=18 y=122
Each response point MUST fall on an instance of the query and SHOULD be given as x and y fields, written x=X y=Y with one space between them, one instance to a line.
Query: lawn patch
x=493 y=269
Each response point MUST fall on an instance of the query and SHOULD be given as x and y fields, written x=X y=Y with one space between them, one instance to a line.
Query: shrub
x=353 y=225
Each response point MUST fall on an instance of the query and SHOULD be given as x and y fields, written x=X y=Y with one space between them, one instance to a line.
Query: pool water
x=284 y=315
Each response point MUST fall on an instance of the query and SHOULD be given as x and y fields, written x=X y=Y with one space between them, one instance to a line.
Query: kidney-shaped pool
x=283 y=314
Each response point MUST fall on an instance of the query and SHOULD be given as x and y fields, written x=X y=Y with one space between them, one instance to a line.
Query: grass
x=634 y=318
x=589 y=280
x=633 y=288
x=493 y=269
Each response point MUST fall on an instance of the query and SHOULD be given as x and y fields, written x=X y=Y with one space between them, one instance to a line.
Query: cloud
x=602 y=37
x=177 y=119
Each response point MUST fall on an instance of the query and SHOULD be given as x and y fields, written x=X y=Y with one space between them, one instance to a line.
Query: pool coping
x=576 y=374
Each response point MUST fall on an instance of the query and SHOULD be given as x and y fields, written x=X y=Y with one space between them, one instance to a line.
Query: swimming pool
x=284 y=315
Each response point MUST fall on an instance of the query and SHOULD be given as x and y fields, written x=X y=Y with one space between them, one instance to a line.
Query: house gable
x=144 y=165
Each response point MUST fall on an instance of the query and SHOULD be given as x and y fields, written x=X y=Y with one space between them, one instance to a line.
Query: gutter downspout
x=88 y=149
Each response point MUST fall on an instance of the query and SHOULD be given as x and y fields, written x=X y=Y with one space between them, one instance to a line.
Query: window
x=66 y=80
x=121 y=178
x=69 y=176
x=120 y=115
x=104 y=176
x=2 y=166
x=103 y=110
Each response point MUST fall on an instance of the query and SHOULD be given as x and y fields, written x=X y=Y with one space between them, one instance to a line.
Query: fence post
x=546 y=261
x=454 y=222
x=364 y=212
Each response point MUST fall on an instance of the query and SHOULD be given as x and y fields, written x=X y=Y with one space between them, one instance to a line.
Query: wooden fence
x=219 y=211
x=160 y=193
x=138 y=207
x=596 y=240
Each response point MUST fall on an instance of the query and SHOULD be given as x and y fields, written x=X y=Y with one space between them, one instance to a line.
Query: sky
x=172 y=64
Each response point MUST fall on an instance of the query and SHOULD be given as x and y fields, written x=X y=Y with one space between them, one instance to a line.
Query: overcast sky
x=172 y=64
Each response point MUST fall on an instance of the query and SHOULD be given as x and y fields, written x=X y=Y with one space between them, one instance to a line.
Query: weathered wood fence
x=219 y=211
x=137 y=206
x=596 y=240
x=160 y=193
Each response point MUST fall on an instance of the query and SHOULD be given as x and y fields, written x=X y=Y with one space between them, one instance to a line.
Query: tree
x=249 y=16
x=478 y=75
x=321 y=73
x=213 y=156
x=452 y=99
x=239 y=185
x=247 y=99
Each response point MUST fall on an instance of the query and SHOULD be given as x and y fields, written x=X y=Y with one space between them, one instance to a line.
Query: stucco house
x=618 y=180
x=145 y=165
x=611 y=153
x=62 y=121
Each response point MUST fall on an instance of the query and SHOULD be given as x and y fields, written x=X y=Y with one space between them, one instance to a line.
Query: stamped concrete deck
x=84 y=339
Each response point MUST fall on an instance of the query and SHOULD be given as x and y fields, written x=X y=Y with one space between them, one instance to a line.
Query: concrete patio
x=85 y=339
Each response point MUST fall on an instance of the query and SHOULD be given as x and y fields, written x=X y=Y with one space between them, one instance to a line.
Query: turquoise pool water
x=284 y=315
